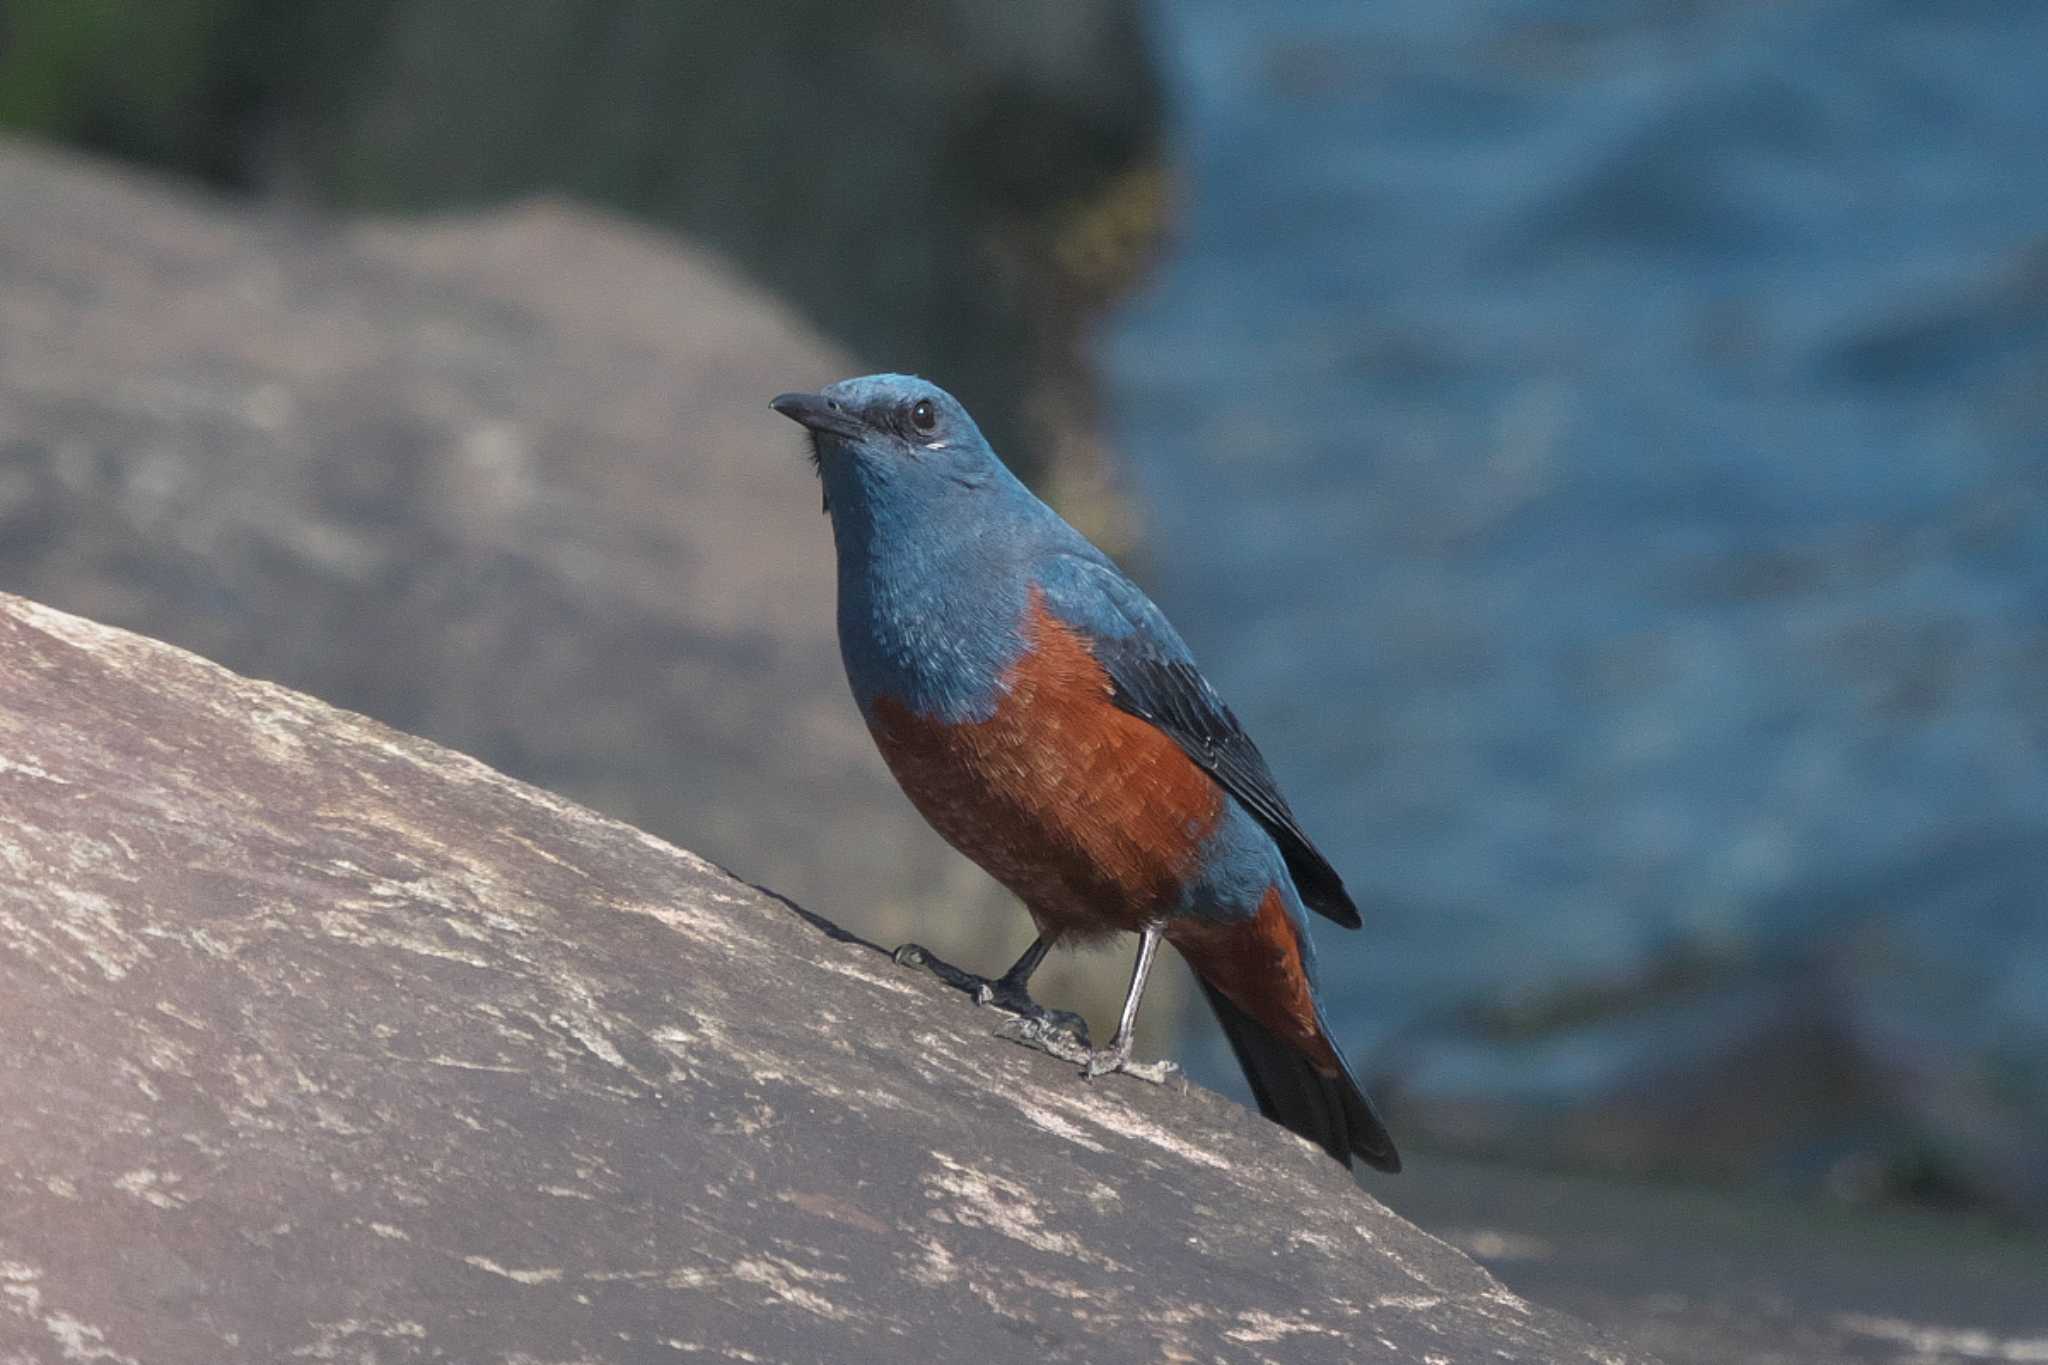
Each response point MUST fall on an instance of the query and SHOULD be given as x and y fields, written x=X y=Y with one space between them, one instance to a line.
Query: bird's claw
x=1110 y=1060
x=1003 y=992
x=1047 y=1034
x=1153 y=1073
x=1053 y=1023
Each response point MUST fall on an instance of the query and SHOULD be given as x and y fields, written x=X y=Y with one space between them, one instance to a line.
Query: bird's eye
x=924 y=416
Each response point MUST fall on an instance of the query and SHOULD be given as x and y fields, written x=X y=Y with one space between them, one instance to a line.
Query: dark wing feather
x=1155 y=679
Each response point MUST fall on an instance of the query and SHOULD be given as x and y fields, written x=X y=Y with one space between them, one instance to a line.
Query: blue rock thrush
x=1040 y=712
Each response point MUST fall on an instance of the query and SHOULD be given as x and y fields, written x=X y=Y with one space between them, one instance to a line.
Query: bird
x=1043 y=715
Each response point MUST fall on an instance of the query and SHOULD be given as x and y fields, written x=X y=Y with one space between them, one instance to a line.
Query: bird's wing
x=1154 y=678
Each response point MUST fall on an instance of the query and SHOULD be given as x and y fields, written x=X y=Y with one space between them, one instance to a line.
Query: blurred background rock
x=1602 y=452
x=949 y=184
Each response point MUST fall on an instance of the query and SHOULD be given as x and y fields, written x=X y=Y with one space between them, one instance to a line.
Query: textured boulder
x=509 y=482
x=325 y=1042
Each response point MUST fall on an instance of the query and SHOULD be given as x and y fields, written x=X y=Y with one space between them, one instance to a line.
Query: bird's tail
x=1330 y=1111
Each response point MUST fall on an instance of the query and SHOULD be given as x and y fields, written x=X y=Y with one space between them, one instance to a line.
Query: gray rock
x=509 y=482
x=328 y=1043
x=946 y=184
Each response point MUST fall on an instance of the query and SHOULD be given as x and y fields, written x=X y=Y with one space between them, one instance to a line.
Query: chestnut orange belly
x=1091 y=816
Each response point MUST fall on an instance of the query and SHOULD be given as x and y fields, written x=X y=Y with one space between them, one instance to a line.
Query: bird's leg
x=1117 y=1056
x=1010 y=991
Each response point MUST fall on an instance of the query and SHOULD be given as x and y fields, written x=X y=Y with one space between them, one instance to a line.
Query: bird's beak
x=819 y=413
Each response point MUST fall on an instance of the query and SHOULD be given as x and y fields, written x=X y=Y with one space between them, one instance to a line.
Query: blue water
x=1601 y=451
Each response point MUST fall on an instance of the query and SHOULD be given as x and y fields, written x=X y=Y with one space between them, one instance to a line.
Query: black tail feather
x=1331 y=1112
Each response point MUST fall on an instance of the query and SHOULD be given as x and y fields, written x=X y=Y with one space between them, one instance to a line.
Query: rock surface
x=509 y=482
x=328 y=1043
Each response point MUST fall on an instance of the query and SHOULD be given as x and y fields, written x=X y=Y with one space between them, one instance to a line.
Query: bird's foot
x=1117 y=1058
x=917 y=955
x=1040 y=1032
x=1055 y=1041
x=1005 y=993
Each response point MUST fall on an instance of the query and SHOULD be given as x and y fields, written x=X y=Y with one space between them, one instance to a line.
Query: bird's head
x=890 y=440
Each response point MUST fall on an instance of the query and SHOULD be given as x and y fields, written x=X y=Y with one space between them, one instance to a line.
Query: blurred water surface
x=1601 y=450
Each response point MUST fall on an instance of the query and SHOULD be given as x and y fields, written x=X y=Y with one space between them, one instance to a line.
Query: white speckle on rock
x=779 y=1277
x=1508 y=1299
x=91 y=921
x=462 y=1064
x=863 y=974
x=698 y=924
x=151 y=1187
x=1054 y=1124
x=936 y=1266
x=80 y=1341
x=328 y=1345
x=980 y=1199
x=140 y=1080
x=29 y=768
x=564 y=1192
x=590 y=1033
x=1117 y=1117
x=18 y=1283
x=352 y=929
x=1104 y=1197
x=547 y=1275
x=1257 y=1325
x=1320 y=1241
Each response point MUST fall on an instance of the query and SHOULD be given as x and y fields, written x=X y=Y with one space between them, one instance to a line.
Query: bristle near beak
x=819 y=416
x=818 y=468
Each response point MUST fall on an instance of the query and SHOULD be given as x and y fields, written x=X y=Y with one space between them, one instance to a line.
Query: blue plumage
x=931 y=590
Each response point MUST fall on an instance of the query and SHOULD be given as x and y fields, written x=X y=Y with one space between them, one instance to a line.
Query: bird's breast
x=933 y=632
x=1092 y=816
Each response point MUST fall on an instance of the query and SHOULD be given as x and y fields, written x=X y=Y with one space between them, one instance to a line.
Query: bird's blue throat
x=918 y=621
